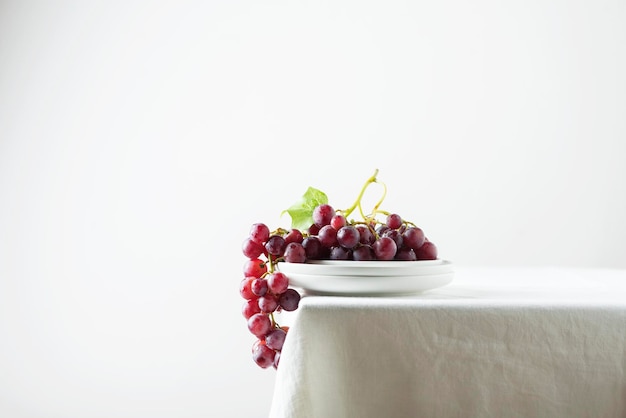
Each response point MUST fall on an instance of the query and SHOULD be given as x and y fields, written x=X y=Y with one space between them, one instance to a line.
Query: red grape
x=413 y=237
x=313 y=247
x=289 y=300
x=405 y=254
x=338 y=221
x=275 y=245
x=428 y=251
x=294 y=235
x=245 y=288
x=322 y=214
x=249 y=308
x=394 y=221
x=348 y=236
x=275 y=339
x=313 y=229
x=340 y=253
x=259 y=232
x=295 y=253
x=363 y=253
x=263 y=355
x=251 y=248
x=268 y=303
x=254 y=268
x=277 y=282
x=327 y=236
x=384 y=248
x=259 y=324
x=259 y=286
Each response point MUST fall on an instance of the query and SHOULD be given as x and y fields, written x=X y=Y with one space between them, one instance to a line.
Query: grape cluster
x=331 y=236
x=266 y=291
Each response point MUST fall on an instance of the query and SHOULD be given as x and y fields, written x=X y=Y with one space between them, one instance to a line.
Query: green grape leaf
x=301 y=212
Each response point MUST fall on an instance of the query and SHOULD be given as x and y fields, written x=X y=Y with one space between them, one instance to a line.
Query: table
x=496 y=342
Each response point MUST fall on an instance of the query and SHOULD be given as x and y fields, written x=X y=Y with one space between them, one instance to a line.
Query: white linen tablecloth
x=496 y=342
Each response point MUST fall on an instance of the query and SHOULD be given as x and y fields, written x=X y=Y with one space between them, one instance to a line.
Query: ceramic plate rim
x=375 y=286
x=367 y=268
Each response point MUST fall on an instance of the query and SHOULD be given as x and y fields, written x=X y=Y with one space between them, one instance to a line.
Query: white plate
x=368 y=285
x=367 y=268
x=341 y=277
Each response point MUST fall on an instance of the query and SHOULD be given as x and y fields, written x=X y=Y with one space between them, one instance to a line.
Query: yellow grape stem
x=357 y=203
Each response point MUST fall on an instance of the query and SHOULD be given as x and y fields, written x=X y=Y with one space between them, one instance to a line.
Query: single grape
x=322 y=214
x=340 y=253
x=250 y=307
x=338 y=221
x=327 y=236
x=405 y=254
x=254 y=268
x=268 y=303
x=428 y=251
x=259 y=232
x=294 y=235
x=295 y=253
x=277 y=282
x=259 y=324
x=363 y=253
x=348 y=236
x=384 y=248
x=245 y=288
x=252 y=249
x=394 y=221
x=413 y=237
x=313 y=229
x=259 y=286
x=312 y=247
x=263 y=355
x=275 y=245
x=275 y=339
x=289 y=300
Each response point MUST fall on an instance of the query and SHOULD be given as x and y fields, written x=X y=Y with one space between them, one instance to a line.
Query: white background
x=140 y=140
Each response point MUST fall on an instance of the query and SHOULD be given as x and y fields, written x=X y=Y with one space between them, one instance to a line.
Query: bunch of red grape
x=330 y=237
x=266 y=291
x=333 y=237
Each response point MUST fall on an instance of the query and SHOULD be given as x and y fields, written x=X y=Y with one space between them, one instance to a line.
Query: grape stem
x=357 y=202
